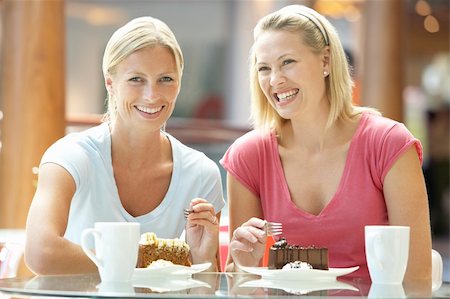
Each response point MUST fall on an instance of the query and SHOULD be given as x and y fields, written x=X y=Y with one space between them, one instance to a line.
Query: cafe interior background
x=51 y=80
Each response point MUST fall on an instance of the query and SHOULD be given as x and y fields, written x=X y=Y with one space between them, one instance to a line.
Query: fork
x=186 y=212
x=273 y=228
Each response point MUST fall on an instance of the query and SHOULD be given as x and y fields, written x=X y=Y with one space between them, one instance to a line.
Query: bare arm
x=46 y=250
x=248 y=241
x=407 y=204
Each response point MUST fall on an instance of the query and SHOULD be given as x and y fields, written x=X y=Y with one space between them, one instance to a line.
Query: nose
x=277 y=78
x=151 y=92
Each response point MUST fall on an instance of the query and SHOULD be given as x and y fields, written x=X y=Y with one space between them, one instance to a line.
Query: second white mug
x=387 y=252
x=116 y=249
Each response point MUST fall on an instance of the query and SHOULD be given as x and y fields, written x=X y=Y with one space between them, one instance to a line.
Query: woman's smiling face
x=145 y=86
x=289 y=73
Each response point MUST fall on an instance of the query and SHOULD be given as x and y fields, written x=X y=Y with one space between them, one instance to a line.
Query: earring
x=325 y=73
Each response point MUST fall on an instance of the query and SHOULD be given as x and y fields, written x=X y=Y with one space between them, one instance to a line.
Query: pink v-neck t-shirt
x=254 y=161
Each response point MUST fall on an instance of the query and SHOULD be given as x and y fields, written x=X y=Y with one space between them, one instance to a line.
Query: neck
x=309 y=132
x=136 y=149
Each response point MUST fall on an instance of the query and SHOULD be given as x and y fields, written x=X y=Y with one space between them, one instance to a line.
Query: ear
x=109 y=83
x=326 y=59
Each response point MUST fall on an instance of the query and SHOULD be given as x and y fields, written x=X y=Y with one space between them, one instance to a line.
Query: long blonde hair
x=316 y=32
x=137 y=34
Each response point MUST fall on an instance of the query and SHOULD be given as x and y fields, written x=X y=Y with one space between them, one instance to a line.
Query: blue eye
x=166 y=79
x=135 y=79
x=287 y=61
x=263 y=69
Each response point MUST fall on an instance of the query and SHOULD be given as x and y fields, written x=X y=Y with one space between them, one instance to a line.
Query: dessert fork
x=186 y=212
x=273 y=228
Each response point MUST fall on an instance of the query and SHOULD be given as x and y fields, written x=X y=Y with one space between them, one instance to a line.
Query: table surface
x=208 y=285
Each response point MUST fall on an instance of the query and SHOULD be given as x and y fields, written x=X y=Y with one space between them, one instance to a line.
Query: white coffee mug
x=387 y=251
x=116 y=249
x=386 y=291
x=117 y=289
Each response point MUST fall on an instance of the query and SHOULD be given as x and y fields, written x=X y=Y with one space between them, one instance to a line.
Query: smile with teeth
x=285 y=96
x=149 y=110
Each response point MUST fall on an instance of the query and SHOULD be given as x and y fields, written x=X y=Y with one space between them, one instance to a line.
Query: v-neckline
x=168 y=197
x=343 y=179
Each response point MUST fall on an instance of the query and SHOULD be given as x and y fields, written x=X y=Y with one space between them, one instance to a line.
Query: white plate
x=299 y=274
x=169 y=285
x=299 y=287
x=176 y=270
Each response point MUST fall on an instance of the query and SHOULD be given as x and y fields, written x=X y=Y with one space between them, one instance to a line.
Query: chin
x=285 y=115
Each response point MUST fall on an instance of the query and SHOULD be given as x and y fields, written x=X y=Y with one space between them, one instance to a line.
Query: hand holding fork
x=202 y=232
x=248 y=244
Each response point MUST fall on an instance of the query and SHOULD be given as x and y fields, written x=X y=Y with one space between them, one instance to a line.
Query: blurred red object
x=269 y=243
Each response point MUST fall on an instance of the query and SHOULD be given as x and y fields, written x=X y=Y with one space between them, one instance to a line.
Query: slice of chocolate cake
x=282 y=253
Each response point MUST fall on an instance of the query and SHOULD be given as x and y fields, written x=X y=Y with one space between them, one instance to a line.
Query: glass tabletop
x=208 y=285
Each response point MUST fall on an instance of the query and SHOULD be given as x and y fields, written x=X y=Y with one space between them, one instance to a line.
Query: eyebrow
x=278 y=59
x=133 y=72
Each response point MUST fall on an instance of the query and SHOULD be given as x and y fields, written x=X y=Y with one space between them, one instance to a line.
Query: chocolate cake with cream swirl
x=282 y=253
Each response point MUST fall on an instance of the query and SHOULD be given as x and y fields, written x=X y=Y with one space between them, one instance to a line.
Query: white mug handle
x=374 y=243
x=85 y=247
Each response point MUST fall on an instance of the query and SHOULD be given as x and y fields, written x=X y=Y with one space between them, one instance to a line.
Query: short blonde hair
x=317 y=33
x=137 y=34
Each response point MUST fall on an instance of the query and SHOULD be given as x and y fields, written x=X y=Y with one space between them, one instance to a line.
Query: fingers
x=255 y=222
x=246 y=236
x=197 y=201
x=202 y=212
x=241 y=245
x=250 y=232
x=211 y=222
x=248 y=242
x=199 y=205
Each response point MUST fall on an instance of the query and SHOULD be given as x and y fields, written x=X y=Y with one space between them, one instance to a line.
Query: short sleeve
x=242 y=160
x=395 y=143
x=70 y=155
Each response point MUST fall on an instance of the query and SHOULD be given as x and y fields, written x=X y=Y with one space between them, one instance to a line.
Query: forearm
x=57 y=256
x=419 y=262
x=197 y=258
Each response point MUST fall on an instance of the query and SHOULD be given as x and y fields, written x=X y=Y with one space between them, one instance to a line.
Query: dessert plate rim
x=171 y=285
x=296 y=287
x=171 y=270
x=298 y=274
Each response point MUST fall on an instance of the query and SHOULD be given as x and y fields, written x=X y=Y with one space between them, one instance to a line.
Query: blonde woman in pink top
x=316 y=163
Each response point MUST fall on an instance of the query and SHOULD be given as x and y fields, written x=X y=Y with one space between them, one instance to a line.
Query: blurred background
x=52 y=83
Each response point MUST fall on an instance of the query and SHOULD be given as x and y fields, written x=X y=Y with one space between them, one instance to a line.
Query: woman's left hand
x=202 y=231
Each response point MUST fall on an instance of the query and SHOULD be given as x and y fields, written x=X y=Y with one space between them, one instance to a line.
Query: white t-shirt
x=87 y=157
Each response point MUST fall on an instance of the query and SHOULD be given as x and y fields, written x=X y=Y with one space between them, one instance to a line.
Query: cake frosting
x=297 y=265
